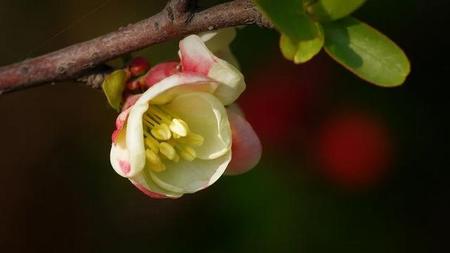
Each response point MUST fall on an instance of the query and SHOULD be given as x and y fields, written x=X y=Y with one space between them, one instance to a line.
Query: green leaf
x=303 y=50
x=113 y=87
x=328 y=10
x=289 y=17
x=366 y=52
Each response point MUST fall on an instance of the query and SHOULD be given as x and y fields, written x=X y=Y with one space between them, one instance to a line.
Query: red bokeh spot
x=354 y=150
x=278 y=98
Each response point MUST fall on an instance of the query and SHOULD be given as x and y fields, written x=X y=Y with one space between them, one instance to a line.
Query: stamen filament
x=164 y=110
x=150 y=120
x=156 y=111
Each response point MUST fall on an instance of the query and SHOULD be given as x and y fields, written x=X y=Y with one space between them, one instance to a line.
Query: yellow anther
x=167 y=150
x=152 y=143
x=192 y=139
x=154 y=161
x=161 y=132
x=186 y=152
x=179 y=127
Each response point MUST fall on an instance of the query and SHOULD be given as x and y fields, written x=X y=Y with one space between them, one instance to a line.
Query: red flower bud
x=138 y=66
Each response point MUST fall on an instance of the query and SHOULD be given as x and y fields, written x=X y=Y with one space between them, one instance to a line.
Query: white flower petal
x=229 y=57
x=144 y=183
x=165 y=90
x=232 y=80
x=206 y=116
x=218 y=40
x=196 y=57
x=119 y=154
x=191 y=176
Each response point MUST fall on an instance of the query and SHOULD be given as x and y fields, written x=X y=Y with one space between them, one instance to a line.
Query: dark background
x=347 y=166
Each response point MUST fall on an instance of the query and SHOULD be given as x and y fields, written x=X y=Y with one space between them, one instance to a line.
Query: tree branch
x=73 y=62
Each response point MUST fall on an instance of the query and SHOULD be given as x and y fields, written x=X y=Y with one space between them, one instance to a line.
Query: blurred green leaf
x=328 y=10
x=303 y=50
x=366 y=52
x=113 y=87
x=289 y=17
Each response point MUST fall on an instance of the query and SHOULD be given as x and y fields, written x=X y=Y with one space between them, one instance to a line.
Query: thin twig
x=176 y=19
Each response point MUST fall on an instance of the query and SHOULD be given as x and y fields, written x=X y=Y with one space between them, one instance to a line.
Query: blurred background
x=347 y=166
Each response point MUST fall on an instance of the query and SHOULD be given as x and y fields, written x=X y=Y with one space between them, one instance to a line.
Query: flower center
x=167 y=137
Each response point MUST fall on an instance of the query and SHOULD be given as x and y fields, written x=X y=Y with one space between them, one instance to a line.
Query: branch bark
x=74 y=62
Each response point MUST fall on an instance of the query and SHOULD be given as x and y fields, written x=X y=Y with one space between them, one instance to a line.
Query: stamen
x=148 y=124
x=156 y=111
x=179 y=127
x=154 y=161
x=175 y=135
x=150 y=120
x=167 y=150
x=164 y=110
x=152 y=143
x=161 y=132
x=186 y=152
x=192 y=139
x=167 y=135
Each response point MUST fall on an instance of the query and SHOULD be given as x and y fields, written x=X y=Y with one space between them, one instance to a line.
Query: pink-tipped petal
x=218 y=40
x=195 y=56
x=246 y=148
x=123 y=116
x=159 y=72
x=151 y=194
x=120 y=123
x=119 y=155
x=125 y=166
x=130 y=101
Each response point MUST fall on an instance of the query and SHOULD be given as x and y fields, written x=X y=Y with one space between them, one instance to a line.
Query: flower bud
x=138 y=66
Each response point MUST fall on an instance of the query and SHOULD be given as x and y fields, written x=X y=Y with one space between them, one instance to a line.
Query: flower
x=180 y=135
